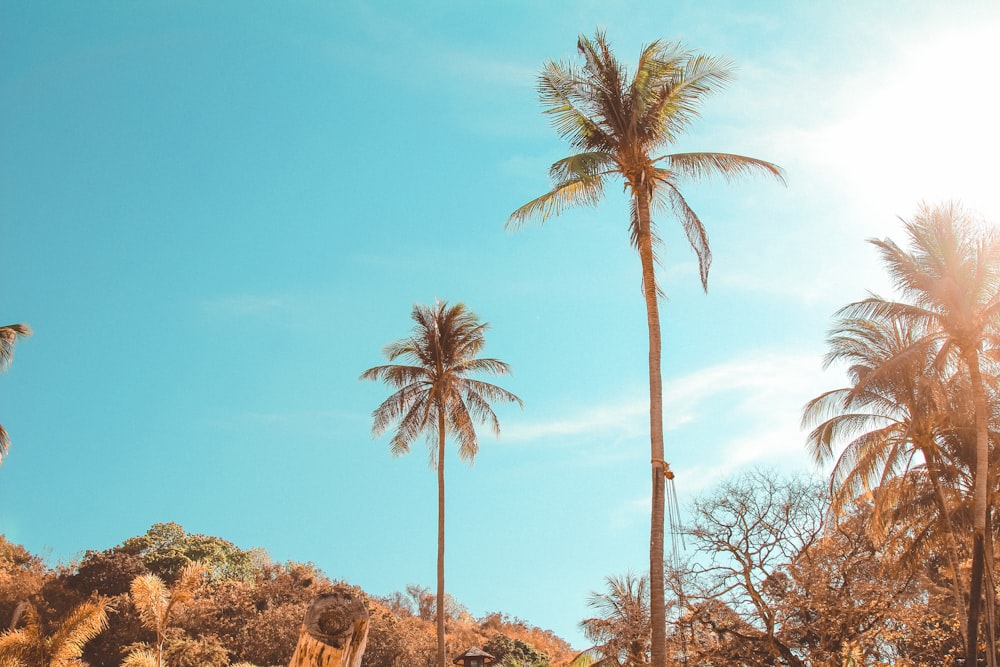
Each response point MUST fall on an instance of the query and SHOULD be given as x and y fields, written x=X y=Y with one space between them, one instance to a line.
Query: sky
x=214 y=215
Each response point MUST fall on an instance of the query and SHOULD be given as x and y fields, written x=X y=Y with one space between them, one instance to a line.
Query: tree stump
x=334 y=632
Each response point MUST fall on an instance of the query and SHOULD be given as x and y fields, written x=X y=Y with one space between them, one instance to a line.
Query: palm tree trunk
x=933 y=472
x=980 y=483
x=440 y=559
x=657 y=605
x=990 y=592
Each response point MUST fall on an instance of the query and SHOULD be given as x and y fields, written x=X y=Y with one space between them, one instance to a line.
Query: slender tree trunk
x=989 y=596
x=657 y=605
x=440 y=560
x=952 y=550
x=975 y=597
x=980 y=482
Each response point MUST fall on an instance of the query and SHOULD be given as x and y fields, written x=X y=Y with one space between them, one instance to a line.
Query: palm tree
x=436 y=398
x=156 y=603
x=31 y=647
x=950 y=280
x=896 y=427
x=620 y=125
x=621 y=631
x=8 y=336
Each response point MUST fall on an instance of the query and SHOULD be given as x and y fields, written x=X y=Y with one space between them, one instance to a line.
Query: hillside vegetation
x=241 y=608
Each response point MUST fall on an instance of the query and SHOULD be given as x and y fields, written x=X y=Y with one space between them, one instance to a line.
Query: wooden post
x=334 y=632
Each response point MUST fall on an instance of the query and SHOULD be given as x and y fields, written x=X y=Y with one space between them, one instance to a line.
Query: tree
x=515 y=652
x=619 y=125
x=747 y=531
x=30 y=646
x=166 y=549
x=22 y=576
x=156 y=604
x=842 y=593
x=950 y=282
x=620 y=632
x=899 y=429
x=8 y=336
x=436 y=398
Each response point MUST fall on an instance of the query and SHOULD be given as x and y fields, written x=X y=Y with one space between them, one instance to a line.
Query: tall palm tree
x=950 y=282
x=621 y=125
x=436 y=397
x=8 y=336
x=29 y=646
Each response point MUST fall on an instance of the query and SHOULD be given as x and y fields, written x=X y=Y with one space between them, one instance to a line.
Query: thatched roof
x=475 y=652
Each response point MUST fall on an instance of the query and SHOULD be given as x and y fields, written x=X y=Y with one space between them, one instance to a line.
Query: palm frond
x=659 y=65
x=482 y=365
x=605 y=92
x=586 y=190
x=21 y=648
x=85 y=621
x=397 y=405
x=491 y=392
x=565 y=97
x=4 y=443
x=877 y=308
x=699 y=76
x=8 y=336
x=694 y=230
x=592 y=163
x=396 y=375
x=25 y=646
x=462 y=427
x=141 y=657
x=697 y=166
x=151 y=597
x=418 y=418
x=192 y=576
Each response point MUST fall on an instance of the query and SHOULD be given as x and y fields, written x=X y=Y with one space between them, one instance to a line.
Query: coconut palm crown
x=436 y=397
x=622 y=126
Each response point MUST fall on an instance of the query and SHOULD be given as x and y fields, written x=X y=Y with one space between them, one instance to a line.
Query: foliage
x=166 y=549
x=203 y=651
x=916 y=425
x=745 y=533
x=22 y=576
x=621 y=631
x=155 y=604
x=514 y=652
x=8 y=336
x=32 y=646
x=773 y=582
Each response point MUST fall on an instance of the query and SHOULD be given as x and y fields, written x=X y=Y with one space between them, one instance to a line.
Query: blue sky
x=214 y=215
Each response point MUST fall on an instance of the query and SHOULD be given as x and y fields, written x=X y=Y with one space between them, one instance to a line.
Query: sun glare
x=924 y=129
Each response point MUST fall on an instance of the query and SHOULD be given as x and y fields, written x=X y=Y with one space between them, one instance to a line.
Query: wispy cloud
x=765 y=390
x=620 y=418
x=762 y=393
